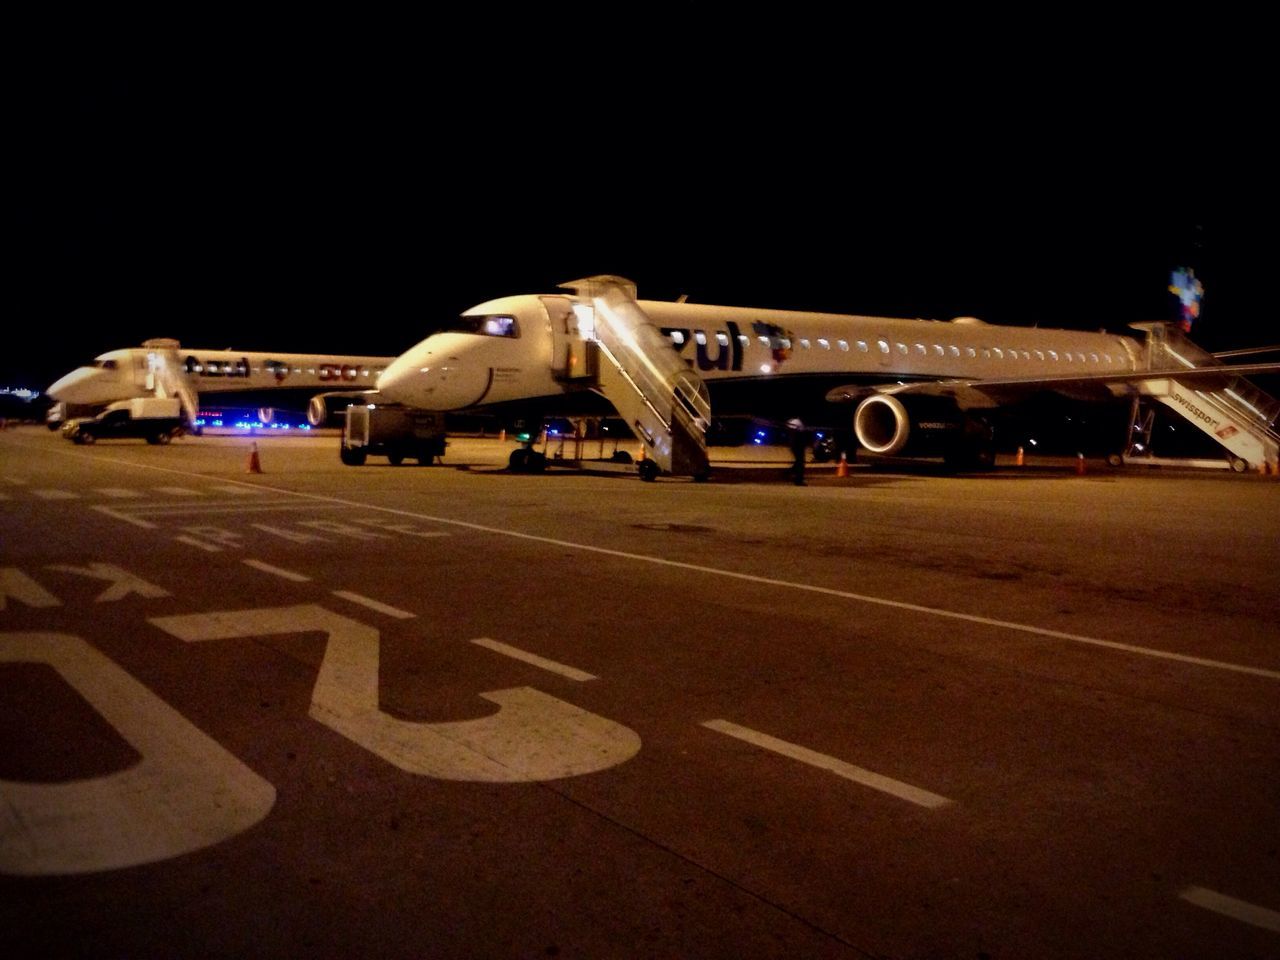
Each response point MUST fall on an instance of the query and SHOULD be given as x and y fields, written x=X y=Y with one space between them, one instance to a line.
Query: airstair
x=1230 y=409
x=167 y=376
x=633 y=366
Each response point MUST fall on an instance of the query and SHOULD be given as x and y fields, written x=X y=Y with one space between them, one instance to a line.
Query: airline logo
x=722 y=349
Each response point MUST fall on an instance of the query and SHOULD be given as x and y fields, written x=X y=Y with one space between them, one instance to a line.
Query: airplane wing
x=993 y=392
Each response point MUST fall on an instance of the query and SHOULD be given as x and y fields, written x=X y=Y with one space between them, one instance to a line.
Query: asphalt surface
x=454 y=712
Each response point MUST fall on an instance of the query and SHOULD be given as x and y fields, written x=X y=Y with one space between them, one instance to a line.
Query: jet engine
x=328 y=409
x=923 y=427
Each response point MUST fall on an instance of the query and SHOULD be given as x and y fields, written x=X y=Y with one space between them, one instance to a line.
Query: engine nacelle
x=914 y=426
x=328 y=409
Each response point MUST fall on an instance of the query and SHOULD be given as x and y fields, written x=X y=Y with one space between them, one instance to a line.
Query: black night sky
x=328 y=207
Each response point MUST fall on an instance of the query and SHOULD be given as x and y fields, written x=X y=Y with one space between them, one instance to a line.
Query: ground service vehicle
x=396 y=433
x=154 y=419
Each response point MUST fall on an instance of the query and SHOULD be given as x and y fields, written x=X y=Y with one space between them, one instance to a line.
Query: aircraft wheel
x=518 y=462
x=1115 y=460
x=86 y=438
x=395 y=458
x=352 y=457
x=1238 y=465
x=163 y=438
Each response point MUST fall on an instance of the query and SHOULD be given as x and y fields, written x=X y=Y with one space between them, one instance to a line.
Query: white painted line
x=876 y=781
x=239 y=490
x=183 y=509
x=15 y=481
x=374 y=605
x=119 y=493
x=179 y=491
x=768 y=581
x=117 y=515
x=1233 y=908
x=193 y=542
x=56 y=494
x=573 y=673
x=277 y=571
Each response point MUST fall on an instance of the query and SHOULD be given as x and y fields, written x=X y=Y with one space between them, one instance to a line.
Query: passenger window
x=824 y=343
x=884 y=345
x=862 y=346
x=844 y=344
x=700 y=337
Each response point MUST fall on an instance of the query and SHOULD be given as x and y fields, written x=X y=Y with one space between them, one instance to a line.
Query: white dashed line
x=374 y=605
x=56 y=494
x=200 y=544
x=238 y=489
x=179 y=491
x=876 y=781
x=573 y=673
x=117 y=515
x=1231 y=907
x=277 y=571
x=119 y=493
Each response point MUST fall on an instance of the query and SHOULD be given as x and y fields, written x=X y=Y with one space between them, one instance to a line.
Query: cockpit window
x=105 y=364
x=490 y=325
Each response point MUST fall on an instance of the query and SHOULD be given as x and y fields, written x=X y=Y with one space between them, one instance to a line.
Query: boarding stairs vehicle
x=1234 y=412
x=609 y=344
x=165 y=375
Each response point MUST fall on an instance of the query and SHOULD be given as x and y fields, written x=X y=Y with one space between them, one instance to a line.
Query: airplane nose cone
x=438 y=374
x=83 y=385
x=400 y=381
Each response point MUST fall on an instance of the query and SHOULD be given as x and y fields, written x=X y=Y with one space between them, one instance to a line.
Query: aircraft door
x=573 y=348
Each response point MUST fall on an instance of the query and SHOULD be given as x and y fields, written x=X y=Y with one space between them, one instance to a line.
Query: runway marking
x=15 y=481
x=185 y=793
x=867 y=778
x=184 y=509
x=533 y=736
x=16 y=584
x=56 y=494
x=119 y=493
x=239 y=490
x=774 y=582
x=1231 y=907
x=374 y=605
x=200 y=544
x=116 y=514
x=573 y=673
x=277 y=571
x=180 y=491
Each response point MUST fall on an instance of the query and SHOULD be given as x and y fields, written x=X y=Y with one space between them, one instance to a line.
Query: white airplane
x=321 y=382
x=920 y=387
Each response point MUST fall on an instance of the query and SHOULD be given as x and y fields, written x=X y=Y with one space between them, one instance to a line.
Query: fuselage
x=134 y=372
x=521 y=348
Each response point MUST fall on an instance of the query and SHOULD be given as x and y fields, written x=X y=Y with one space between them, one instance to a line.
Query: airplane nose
x=82 y=385
x=437 y=374
x=400 y=382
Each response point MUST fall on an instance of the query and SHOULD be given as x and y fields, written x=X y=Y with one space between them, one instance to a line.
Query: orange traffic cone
x=640 y=455
x=842 y=468
x=255 y=465
x=1019 y=460
x=1080 y=464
